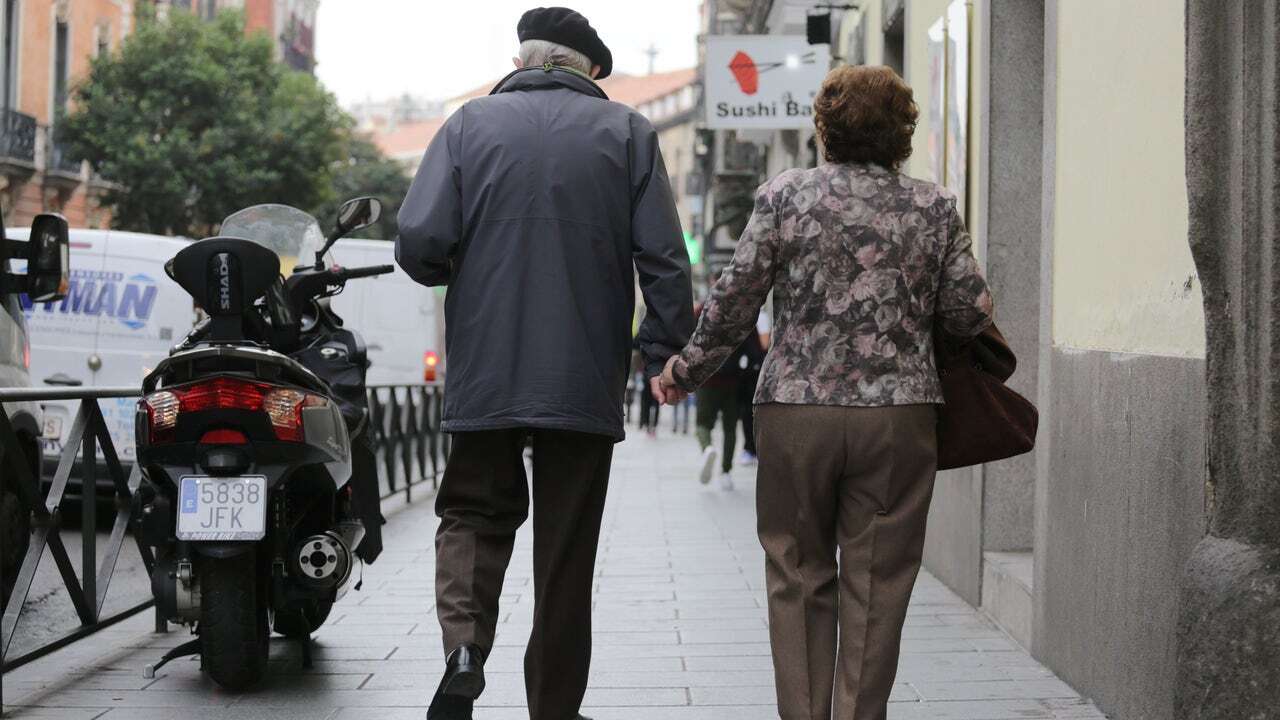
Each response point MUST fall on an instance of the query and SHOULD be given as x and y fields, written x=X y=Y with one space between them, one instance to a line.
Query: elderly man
x=537 y=205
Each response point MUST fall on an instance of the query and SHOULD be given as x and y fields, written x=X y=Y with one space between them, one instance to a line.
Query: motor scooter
x=247 y=435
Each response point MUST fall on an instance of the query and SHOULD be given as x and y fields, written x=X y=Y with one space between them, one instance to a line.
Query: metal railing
x=17 y=136
x=404 y=432
x=58 y=159
x=404 y=427
x=88 y=590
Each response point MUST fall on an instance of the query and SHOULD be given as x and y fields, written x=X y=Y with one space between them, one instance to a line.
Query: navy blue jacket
x=537 y=206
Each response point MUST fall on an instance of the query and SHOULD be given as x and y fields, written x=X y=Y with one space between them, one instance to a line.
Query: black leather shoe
x=462 y=683
x=464 y=673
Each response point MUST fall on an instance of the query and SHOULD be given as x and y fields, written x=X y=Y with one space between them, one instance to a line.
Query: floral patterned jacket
x=862 y=262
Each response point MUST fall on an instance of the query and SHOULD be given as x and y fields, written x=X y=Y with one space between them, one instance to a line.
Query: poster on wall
x=948 y=113
x=763 y=81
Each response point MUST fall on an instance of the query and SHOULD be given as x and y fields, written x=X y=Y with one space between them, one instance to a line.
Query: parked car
x=27 y=270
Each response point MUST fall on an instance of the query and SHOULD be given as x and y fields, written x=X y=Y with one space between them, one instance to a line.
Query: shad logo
x=92 y=293
x=224 y=282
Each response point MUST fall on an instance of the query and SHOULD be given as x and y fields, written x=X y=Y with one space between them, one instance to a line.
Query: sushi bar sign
x=763 y=81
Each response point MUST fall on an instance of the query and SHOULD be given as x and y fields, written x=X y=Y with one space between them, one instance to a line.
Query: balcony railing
x=17 y=137
x=58 y=159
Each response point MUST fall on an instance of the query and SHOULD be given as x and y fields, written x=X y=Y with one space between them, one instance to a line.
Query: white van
x=400 y=320
x=121 y=315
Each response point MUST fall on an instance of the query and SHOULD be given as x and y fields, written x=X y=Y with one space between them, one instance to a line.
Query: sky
x=380 y=49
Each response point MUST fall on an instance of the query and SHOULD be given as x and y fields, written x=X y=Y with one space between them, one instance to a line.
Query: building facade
x=291 y=24
x=1064 y=132
x=47 y=45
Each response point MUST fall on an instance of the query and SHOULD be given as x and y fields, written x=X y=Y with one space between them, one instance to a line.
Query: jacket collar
x=548 y=77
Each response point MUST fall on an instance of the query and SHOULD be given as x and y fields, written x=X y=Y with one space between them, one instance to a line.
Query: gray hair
x=534 y=53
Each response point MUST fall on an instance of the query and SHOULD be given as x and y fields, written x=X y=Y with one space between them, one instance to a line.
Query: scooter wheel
x=233 y=621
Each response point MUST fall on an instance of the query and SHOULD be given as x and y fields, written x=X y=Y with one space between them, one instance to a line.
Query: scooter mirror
x=48 y=264
x=358 y=213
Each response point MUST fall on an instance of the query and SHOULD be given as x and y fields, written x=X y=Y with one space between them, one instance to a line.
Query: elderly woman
x=864 y=263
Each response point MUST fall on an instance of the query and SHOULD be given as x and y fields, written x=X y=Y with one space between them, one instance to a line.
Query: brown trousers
x=482 y=501
x=856 y=479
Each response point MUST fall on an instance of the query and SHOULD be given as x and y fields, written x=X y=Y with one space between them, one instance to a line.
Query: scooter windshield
x=293 y=235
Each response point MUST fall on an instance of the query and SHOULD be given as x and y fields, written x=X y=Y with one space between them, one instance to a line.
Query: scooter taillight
x=224 y=437
x=283 y=406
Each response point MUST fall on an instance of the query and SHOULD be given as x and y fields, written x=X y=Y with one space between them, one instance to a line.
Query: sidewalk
x=679 y=620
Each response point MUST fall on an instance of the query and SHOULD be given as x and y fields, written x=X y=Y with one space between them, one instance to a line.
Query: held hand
x=664 y=387
x=669 y=372
x=664 y=394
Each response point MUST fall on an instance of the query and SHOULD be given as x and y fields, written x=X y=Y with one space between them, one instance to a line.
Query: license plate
x=222 y=508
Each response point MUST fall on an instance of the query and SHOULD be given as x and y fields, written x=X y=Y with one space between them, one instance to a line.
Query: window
x=10 y=59
x=61 y=61
x=104 y=39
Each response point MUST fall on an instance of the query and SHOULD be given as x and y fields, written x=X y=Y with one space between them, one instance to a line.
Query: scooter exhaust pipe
x=326 y=559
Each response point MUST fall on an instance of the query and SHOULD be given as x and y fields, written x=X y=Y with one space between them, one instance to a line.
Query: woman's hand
x=664 y=386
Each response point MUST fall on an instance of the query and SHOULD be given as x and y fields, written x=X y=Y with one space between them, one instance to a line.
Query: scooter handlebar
x=363 y=272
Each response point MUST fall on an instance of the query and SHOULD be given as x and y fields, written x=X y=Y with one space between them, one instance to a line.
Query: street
x=680 y=631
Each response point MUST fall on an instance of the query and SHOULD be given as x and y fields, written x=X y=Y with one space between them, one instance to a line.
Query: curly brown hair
x=865 y=114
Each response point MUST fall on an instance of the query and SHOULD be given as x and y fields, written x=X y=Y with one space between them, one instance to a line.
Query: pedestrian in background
x=717 y=398
x=754 y=359
x=650 y=407
x=537 y=205
x=863 y=262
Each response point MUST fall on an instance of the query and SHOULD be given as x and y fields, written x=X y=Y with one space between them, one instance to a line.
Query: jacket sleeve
x=731 y=310
x=430 y=218
x=965 y=306
x=660 y=256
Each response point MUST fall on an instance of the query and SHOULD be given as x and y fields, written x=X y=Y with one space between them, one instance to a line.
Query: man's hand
x=664 y=386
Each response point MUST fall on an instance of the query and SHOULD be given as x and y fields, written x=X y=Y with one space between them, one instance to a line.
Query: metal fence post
x=89 y=520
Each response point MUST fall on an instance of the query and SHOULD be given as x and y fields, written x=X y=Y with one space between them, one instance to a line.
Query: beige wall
x=1123 y=276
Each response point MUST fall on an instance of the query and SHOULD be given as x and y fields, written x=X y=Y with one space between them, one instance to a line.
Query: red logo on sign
x=745 y=72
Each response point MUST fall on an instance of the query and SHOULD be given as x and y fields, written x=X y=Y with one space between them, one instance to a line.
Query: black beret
x=566 y=27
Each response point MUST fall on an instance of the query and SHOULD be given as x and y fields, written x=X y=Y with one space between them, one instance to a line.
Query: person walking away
x=650 y=408
x=754 y=354
x=863 y=263
x=718 y=398
x=536 y=206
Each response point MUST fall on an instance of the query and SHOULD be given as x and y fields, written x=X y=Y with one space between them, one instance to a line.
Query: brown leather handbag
x=983 y=419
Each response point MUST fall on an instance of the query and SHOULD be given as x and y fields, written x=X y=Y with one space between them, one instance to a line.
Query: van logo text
x=101 y=293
